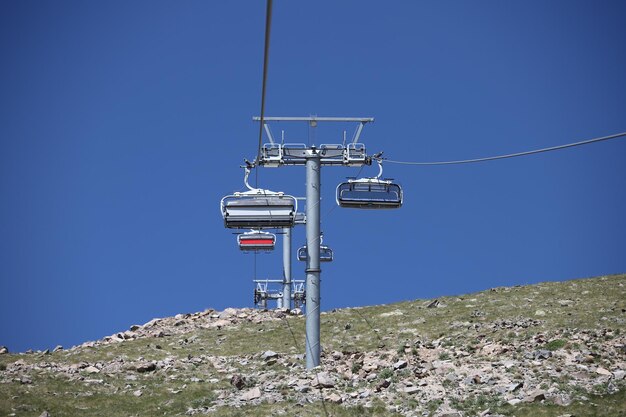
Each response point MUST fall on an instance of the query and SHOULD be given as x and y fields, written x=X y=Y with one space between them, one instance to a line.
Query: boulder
x=334 y=398
x=251 y=394
x=535 y=396
x=514 y=386
x=400 y=364
x=385 y=383
x=411 y=390
x=92 y=370
x=146 y=367
x=268 y=355
x=323 y=380
x=238 y=381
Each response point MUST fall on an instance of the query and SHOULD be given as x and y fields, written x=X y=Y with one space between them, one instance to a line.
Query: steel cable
x=266 y=53
x=512 y=155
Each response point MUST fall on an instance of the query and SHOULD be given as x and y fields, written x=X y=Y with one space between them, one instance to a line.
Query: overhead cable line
x=511 y=155
x=266 y=53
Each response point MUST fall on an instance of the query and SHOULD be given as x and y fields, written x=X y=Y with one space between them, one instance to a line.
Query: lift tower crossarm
x=351 y=154
x=315 y=119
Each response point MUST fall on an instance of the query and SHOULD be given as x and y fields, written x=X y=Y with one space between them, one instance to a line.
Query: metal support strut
x=287 y=267
x=313 y=271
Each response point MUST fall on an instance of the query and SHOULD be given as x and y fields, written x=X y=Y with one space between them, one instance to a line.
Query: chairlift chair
x=326 y=254
x=258 y=209
x=256 y=240
x=370 y=193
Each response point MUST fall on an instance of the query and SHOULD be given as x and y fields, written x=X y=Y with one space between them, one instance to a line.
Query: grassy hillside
x=550 y=349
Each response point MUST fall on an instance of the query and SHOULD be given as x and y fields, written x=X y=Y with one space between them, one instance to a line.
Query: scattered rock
x=146 y=367
x=562 y=400
x=535 y=396
x=92 y=370
x=385 y=383
x=514 y=387
x=268 y=355
x=434 y=304
x=619 y=375
x=334 y=398
x=392 y=313
x=411 y=390
x=44 y=414
x=303 y=388
x=323 y=380
x=4 y=350
x=238 y=381
x=251 y=394
x=478 y=356
x=539 y=354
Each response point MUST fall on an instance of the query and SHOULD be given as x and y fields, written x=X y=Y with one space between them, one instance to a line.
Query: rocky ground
x=560 y=346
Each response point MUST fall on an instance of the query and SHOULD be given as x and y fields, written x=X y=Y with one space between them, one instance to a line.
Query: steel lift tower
x=350 y=154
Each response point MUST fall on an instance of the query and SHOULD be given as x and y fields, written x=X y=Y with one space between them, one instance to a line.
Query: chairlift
x=258 y=209
x=326 y=253
x=370 y=193
x=256 y=240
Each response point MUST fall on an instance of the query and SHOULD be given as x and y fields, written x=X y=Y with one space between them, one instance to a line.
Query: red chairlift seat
x=256 y=241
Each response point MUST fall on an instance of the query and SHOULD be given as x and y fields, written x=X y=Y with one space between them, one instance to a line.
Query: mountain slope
x=547 y=349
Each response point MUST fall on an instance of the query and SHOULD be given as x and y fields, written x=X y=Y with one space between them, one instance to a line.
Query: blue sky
x=122 y=124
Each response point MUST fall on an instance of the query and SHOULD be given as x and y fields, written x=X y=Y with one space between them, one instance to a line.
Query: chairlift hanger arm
x=246 y=174
x=380 y=165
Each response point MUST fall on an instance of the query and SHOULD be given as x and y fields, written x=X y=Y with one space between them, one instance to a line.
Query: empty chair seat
x=326 y=254
x=369 y=193
x=258 y=209
x=355 y=154
x=272 y=154
x=256 y=241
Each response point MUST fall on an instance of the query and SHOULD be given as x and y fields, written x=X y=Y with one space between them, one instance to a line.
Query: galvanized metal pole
x=287 y=267
x=313 y=348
